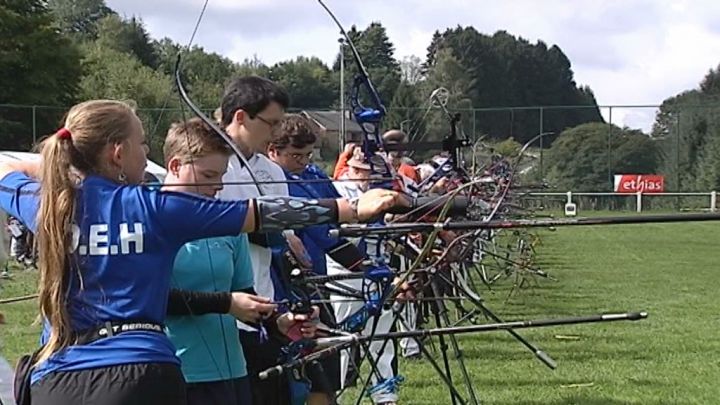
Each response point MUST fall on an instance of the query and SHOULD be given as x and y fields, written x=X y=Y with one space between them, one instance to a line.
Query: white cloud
x=628 y=52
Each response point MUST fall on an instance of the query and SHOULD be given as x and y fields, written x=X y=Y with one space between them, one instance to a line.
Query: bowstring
x=205 y=241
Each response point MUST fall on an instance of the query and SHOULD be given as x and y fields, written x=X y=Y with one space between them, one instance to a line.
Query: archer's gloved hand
x=298 y=326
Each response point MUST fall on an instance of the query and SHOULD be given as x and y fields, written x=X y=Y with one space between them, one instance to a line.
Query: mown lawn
x=673 y=357
x=21 y=332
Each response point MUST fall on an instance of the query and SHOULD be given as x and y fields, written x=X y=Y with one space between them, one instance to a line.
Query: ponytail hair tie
x=63 y=133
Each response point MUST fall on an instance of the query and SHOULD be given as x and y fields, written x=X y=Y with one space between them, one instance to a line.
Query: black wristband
x=348 y=255
x=258 y=238
x=271 y=327
x=184 y=302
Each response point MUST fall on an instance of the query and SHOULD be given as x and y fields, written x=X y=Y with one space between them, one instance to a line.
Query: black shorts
x=127 y=384
x=275 y=390
x=259 y=357
x=228 y=392
x=325 y=379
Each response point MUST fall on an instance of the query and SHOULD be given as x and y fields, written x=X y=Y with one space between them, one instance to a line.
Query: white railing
x=712 y=195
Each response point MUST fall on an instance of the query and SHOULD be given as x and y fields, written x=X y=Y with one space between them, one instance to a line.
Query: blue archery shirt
x=316 y=238
x=207 y=345
x=125 y=240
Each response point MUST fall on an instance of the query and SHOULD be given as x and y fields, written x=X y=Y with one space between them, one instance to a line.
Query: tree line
x=57 y=52
x=684 y=146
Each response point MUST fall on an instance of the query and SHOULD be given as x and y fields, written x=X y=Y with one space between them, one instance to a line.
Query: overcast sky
x=627 y=51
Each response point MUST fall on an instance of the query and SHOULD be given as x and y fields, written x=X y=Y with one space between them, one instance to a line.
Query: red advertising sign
x=643 y=183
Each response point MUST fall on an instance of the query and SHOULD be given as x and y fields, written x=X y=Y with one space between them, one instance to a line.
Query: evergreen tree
x=128 y=36
x=376 y=52
x=309 y=82
x=38 y=66
x=79 y=18
x=511 y=72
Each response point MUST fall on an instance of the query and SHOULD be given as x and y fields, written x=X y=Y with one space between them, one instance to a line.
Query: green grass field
x=673 y=357
x=21 y=332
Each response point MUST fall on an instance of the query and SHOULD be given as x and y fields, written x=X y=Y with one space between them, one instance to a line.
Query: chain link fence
x=22 y=126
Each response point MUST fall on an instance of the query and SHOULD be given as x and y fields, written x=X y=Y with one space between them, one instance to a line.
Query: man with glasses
x=252 y=107
x=292 y=149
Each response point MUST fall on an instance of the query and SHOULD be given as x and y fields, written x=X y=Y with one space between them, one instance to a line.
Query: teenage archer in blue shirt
x=107 y=246
x=291 y=148
x=212 y=280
